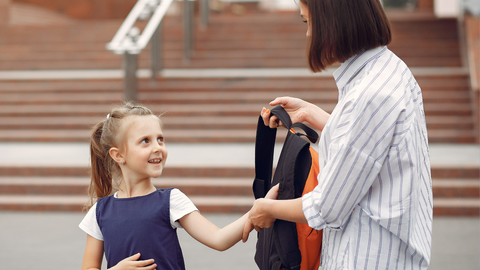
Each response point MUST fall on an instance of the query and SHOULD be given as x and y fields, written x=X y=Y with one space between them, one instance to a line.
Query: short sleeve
x=89 y=224
x=180 y=205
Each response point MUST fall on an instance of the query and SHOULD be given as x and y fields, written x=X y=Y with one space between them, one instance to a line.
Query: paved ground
x=53 y=241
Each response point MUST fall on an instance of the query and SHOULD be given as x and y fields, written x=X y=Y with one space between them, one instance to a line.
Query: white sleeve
x=180 y=205
x=89 y=224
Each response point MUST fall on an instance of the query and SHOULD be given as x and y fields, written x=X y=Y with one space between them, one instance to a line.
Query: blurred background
x=209 y=66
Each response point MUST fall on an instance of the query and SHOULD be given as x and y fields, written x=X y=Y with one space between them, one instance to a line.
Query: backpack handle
x=284 y=117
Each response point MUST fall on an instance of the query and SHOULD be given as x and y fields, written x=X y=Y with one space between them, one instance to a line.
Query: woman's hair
x=341 y=29
x=108 y=133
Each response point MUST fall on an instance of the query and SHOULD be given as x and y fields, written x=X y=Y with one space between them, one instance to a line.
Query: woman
x=374 y=197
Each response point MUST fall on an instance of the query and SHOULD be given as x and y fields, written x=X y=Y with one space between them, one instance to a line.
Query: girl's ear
x=116 y=155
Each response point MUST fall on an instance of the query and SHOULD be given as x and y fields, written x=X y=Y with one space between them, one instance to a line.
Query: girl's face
x=305 y=14
x=145 y=152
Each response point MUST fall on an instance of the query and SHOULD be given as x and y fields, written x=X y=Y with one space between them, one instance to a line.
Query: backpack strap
x=265 y=145
x=283 y=116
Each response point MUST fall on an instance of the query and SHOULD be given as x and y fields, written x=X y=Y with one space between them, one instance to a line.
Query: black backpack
x=278 y=246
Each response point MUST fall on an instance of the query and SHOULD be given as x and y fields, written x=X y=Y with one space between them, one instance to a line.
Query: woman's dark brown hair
x=341 y=29
x=108 y=133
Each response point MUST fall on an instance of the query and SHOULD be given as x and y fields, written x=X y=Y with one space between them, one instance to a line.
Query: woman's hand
x=132 y=263
x=258 y=218
x=295 y=107
x=299 y=111
x=265 y=211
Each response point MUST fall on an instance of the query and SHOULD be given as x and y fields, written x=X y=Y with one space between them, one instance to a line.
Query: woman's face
x=305 y=14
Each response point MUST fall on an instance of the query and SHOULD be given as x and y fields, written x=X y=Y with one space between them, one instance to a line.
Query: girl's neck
x=136 y=189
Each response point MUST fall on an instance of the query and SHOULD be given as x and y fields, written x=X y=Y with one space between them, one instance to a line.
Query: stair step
x=187 y=172
x=442 y=188
x=197 y=135
x=456 y=207
x=169 y=109
x=205 y=96
x=79 y=185
x=206 y=204
x=456 y=188
x=194 y=122
x=456 y=171
x=451 y=136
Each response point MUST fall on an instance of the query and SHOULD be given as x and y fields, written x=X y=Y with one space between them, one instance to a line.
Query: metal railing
x=130 y=42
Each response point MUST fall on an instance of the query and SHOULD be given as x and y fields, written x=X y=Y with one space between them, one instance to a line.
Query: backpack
x=286 y=245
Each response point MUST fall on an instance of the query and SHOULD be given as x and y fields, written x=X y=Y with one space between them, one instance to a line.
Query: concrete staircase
x=207 y=109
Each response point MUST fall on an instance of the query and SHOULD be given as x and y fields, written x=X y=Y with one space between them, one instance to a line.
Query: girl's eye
x=305 y=21
x=144 y=141
x=160 y=139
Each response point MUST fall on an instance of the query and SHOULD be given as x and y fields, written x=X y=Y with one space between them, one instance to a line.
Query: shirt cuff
x=311 y=212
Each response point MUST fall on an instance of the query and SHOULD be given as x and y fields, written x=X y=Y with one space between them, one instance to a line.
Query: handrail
x=126 y=41
x=129 y=42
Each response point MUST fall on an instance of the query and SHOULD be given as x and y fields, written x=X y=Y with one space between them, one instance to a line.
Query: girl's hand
x=273 y=192
x=132 y=263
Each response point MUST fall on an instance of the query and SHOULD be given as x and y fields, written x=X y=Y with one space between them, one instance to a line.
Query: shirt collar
x=354 y=64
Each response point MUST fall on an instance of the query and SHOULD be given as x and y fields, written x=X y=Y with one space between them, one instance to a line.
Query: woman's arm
x=93 y=256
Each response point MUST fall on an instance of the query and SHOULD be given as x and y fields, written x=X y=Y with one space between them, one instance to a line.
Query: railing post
x=156 y=52
x=188 y=30
x=130 y=80
x=204 y=13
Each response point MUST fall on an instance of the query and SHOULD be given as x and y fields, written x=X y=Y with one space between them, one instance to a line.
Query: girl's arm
x=93 y=256
x=210 y=235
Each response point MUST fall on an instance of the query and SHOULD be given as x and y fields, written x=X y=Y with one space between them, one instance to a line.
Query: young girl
x=136 y=226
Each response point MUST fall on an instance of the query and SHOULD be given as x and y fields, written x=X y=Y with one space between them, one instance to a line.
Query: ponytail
x=101 y=177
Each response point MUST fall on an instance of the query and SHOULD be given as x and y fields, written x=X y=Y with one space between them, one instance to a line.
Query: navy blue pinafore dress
x=140 y=225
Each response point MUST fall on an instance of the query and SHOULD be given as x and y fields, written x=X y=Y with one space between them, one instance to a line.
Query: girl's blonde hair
x=105 y=172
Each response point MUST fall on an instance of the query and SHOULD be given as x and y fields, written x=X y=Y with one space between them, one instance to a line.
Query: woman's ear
x=116 y=155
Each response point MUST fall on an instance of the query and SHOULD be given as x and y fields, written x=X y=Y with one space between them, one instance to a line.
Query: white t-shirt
x=180 y=205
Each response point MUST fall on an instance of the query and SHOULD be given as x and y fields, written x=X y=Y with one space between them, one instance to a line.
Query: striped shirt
x=374 y=197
